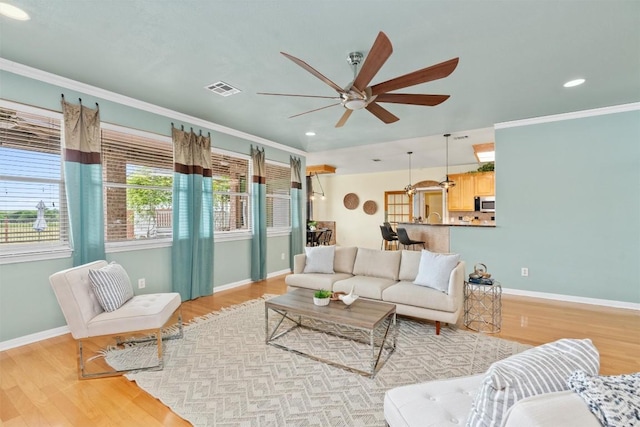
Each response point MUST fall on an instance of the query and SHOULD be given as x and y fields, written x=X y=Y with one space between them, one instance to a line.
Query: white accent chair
x=143 y=315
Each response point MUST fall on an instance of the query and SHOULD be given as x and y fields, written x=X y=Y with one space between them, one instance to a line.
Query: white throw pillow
x=319 y=259
x=542 y=369
x=435 y=269
x=111 y=285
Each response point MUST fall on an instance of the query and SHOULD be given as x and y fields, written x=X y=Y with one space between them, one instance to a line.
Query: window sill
x=35 y=255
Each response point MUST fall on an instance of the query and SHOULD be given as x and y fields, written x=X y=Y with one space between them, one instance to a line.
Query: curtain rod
x=79 y=100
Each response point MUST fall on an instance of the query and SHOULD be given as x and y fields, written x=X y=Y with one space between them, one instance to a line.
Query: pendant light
x=447 y=183
x=409 y=188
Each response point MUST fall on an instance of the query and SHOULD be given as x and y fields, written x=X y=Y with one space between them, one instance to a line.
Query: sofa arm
x=299 y=262
x=456 y=283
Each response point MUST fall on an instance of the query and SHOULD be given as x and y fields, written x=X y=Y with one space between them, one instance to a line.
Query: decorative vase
x=321 y=301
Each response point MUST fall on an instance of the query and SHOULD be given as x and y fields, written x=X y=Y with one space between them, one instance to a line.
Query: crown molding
x=54 y=79
x=569 y=116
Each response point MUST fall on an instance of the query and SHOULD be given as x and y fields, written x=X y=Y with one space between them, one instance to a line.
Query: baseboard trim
x=571 y=298
x=31 y=338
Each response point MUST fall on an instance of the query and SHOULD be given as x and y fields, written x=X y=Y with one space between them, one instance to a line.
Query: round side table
x=483 y=307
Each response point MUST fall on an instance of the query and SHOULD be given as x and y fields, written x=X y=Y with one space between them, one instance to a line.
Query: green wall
x=568 y=208
x=27 y=303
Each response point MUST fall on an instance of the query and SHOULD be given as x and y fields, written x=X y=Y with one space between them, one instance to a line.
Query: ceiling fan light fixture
x=355 y=104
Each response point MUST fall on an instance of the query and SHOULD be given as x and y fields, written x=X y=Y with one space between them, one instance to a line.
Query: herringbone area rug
x=222 y=373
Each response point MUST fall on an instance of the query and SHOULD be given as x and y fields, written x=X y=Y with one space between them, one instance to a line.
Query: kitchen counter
x=436 y=236
x=457 y=224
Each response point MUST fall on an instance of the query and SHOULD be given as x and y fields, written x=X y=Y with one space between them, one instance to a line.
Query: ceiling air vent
x=222 y=89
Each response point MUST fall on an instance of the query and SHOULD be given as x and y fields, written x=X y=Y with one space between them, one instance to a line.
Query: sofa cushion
x=319 y=259
x=377 y=263
x=561 y=408
x=315 y=280
x=614 y=400
x=407 y=293
x=434 y=270
x=344 y=259
x=111 y=285
x=542 y=369
x=364 y=286
x=431 y=404
x=409 y=262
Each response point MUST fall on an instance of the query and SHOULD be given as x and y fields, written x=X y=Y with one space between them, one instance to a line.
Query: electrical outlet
x=524 y=271
x=142 y=283
x=282 y=256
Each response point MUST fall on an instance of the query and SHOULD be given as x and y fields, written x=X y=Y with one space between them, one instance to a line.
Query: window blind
x=278 y=195
x=33 y=212
x=231 y=206
x=138 y=185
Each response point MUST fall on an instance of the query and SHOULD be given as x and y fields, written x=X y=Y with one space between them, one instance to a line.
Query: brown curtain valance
x=296 y=179
x=191 y=153
x=259 y=165
x=81 y=133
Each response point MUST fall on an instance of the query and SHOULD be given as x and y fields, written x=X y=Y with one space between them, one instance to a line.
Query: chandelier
x=409 y=188
x=447 y=183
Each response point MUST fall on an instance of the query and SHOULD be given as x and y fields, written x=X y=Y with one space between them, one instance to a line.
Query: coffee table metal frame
x=301 y=307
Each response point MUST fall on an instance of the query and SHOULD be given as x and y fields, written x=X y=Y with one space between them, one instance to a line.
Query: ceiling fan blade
x=303 y=96
x=317 y=109
x=381 y=113
x=344 y=118
x=424 y=75
x=378 y=55
x=313 y=71
x=405 y=98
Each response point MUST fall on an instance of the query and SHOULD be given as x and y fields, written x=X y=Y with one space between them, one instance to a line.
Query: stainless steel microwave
x=485 y=204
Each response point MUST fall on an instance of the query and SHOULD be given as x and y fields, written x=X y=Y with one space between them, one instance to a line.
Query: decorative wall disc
x=370 y=207
x=351 y=201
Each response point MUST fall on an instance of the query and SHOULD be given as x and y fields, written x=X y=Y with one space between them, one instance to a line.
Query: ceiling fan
x=358 y=94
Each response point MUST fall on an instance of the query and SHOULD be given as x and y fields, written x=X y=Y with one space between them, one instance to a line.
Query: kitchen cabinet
x=460 y=197
x=469 y=185
x=484 y=183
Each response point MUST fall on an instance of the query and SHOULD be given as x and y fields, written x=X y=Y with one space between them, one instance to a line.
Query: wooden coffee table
x=370 y=317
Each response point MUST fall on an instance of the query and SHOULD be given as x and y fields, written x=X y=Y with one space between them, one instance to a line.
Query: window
x=278 y=195
x=231 y=208
x=33 y=216
x=138 y=184
x=397 y=207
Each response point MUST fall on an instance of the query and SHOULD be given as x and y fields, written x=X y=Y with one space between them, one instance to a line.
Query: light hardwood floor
x=39 y=385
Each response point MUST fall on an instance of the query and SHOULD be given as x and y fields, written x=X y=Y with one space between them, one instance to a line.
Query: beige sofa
x=387 y=276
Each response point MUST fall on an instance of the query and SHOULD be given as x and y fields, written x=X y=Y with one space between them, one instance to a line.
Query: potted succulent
x=322 y=297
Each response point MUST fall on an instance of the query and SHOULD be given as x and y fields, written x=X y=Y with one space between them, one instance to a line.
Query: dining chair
x=404 y=239
x=388 y=238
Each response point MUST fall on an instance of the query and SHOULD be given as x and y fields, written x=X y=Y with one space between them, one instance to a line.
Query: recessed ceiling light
x=13 y=12
x=572 y=83
x=310 y=133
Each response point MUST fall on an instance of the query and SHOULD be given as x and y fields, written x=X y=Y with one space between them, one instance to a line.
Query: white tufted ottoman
x=434 y=403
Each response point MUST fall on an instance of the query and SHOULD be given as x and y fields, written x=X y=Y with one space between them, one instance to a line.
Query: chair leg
x=437 y=327
x=154 y=335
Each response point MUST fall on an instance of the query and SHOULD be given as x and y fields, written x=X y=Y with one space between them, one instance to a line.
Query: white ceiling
x=514 y=58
